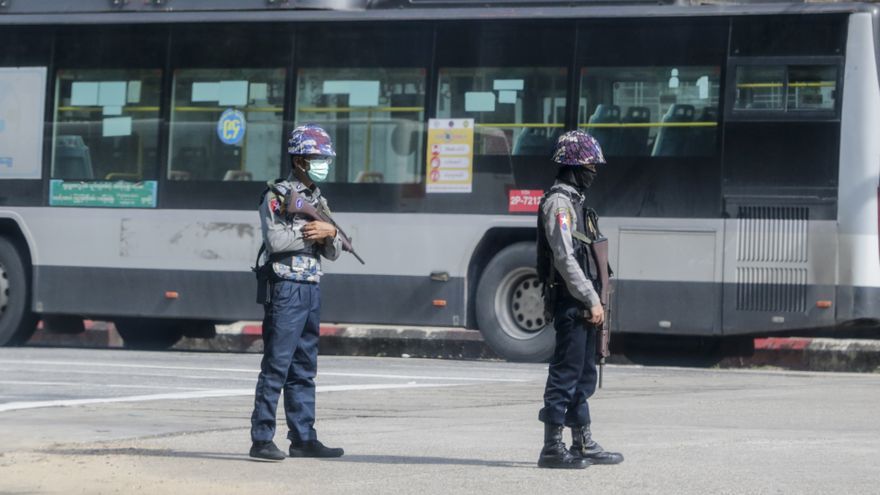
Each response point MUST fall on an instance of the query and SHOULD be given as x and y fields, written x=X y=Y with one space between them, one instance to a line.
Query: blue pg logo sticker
x=231 y=126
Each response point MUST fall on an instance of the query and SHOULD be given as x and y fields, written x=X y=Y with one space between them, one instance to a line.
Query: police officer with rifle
x=573 y=267
x=297 y=232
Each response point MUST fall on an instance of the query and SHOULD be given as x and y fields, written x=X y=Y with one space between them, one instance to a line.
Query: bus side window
x=226 y=124
x=375 y=117
x=785 y=88
x=106 y=123
x=516 y=110
x=657 y=111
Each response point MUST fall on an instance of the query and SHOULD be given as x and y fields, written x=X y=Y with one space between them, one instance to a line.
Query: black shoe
x=554 y=455
x=584 y=447
x=313 y=448
x=266 y=451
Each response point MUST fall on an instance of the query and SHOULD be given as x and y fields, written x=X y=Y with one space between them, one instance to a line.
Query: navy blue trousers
x=290 y=361
x=572 y=374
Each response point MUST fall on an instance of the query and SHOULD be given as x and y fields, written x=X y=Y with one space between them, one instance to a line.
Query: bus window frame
x=733 y=114
x=213 y=194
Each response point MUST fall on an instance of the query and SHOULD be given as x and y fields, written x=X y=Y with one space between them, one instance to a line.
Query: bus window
x=785 y=88
x=516 y=111
x=106 y=124
x=375 y=116
x=656 y=111
x=812 y=87
x=760 y=88
x=226 y=124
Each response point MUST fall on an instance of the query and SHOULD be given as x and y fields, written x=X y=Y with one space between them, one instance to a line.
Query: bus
x=740 y=195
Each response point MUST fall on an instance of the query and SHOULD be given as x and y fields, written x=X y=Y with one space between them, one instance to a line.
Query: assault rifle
x=603 y=344
x=296 y=204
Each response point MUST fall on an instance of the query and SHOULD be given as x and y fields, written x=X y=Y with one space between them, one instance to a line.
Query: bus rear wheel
x=17 y=321
x=148 y=334
x=509 y=308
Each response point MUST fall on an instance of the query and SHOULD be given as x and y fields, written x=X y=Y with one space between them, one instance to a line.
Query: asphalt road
x=115 y=421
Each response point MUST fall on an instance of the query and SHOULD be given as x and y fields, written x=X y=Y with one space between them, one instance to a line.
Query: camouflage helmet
x=577 y=148
x=310 y=139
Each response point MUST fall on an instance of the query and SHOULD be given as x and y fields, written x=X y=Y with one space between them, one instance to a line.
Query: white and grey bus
x=740 y=194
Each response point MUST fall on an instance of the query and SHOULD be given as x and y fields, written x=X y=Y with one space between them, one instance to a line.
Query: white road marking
x=175 y=376
x=99 y=385
x=203 y=394
x=246 y=370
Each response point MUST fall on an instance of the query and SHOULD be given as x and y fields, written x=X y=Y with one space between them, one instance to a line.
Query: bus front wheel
x=509 y=308
x=17 y=322
x=149 y=334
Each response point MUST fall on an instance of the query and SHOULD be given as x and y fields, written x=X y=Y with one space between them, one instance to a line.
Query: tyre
x=148 y=334
x=17 y=322
x=509 y=307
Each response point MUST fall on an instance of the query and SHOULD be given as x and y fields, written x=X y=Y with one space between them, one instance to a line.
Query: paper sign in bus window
x=259 y=92
x=84 y=94
x=479 y=101
x=134 y=92
x=22 y=96
x=360 y=93
x=507 y=96
x=455 y=162
x=117 y=126
x=205 y=92
x=233 y=93
x=111 y=93
x=508 y=84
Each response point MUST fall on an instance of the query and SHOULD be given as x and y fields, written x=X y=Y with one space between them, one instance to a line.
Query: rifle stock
x=296 y=204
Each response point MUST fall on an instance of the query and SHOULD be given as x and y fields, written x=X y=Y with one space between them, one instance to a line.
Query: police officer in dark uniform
x=293 y=246
x=565 y=229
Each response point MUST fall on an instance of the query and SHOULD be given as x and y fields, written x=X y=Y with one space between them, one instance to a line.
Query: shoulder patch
x=274 y=204
x=563 y=218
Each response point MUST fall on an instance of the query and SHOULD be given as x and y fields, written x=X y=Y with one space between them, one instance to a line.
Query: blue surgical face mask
x=319 y=168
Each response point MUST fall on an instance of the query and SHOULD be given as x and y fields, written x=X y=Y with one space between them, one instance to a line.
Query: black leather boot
x=583 y=446
x=266 y=451
x=554 y=454
x=313 y=448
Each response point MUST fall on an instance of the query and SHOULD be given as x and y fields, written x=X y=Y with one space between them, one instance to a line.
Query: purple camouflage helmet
x=310 y=139
x=578 y=148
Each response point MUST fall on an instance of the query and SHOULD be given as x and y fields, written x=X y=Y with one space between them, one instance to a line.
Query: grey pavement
x=117 y=421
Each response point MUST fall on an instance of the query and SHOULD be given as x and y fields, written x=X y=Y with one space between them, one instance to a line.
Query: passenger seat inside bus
x=534 y=141
x=671 y=141
x=633 y=141
x=72 y=159
x=238 y=175
x=607 y=136
x=702 y=139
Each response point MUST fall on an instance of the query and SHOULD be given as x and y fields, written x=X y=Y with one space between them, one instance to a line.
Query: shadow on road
x=397 y=459
x=364 y=459
x=134 y=452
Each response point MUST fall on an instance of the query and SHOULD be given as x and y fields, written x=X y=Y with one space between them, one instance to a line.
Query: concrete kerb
x=814 y=354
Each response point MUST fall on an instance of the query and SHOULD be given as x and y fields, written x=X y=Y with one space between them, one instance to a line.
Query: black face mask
x=584 y=177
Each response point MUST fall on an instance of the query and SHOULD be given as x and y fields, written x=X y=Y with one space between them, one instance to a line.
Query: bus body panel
x=859 y=261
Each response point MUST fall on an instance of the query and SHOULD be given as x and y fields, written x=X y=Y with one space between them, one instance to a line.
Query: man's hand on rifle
x=318 y=231
x=597 y=315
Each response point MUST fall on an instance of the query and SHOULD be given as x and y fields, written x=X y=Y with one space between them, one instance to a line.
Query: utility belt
x=299 y=267
x=292 y=266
